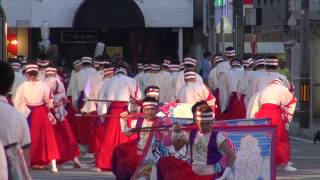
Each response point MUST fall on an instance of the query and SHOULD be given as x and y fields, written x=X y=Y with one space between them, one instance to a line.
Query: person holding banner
x=207 y=149
x=278 y=103
x=126 y=157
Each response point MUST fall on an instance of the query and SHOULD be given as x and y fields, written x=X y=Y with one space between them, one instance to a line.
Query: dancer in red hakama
x=278 y=103
x=33 y=99
x=126 y=157
x=118 y=90
x=66 y=140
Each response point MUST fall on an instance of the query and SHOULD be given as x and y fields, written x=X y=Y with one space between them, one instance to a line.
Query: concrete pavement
x=305 y=156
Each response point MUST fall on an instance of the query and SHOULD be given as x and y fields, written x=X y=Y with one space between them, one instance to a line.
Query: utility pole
x=3 y=35
x=212 y=30
x=238 y=37
x=306 y=69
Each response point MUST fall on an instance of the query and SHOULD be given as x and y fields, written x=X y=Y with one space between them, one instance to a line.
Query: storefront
x=140 y=29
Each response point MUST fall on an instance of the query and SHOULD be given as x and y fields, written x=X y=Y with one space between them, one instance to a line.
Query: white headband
x=204 y=116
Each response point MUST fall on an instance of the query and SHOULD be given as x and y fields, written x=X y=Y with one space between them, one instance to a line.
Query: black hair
x=121 y=66
x=271 y=66
x=229 y=48
x=198 y=105
x=150 y=99
x=105 y=66
x=235 y=60
x=33 y=73
x=86 y=64
x=206 y=54
x=7 y=77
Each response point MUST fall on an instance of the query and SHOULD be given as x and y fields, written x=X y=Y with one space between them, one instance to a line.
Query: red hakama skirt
x=44 y=146
x=125 y=160
x=96 y=133
x=171 y=168
x=72 y=118
x=112 y=136
x=67 y=143
x=282 y=154
x=237 y=106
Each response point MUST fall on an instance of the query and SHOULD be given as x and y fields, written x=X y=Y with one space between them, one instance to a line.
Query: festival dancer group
x=103 y=112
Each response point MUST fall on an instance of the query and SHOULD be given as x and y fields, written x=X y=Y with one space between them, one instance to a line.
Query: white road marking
x=301 y=139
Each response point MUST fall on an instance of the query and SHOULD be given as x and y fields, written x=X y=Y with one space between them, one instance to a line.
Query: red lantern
x=12 y=45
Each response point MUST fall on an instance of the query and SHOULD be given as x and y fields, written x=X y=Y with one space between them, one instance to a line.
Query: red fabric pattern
x=125 y=160
x=44 y=145
x=237 y=106
x=72 y=119
x=112 y=136
x=171 y=168
x=282 y=154
x=67 y=143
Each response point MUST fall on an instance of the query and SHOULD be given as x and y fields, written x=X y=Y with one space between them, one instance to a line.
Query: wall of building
x=60 y=13
x=23 y=39
x=274 y=12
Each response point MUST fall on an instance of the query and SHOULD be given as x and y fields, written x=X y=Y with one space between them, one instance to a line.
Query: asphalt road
x=305 y=156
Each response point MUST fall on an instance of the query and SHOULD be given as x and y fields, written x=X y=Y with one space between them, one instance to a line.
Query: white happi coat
x=97 y=77
x=59 y=97
x=193 y=92
x=139 y=78
x=213 y=79
x=165 y=83
x=71 y=90
x=150 y=79
x=119 y=88
x=178 y=82
x=258 y=78
x=33 y=93
x=237 y=81
x=249 y=76
x=81 y=80
x=223 y=74
x=19 y=78
x=279 y=95
x=95 y=90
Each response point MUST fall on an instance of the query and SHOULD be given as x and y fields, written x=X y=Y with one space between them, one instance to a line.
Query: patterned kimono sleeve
x=135 y=90
x=288 y=105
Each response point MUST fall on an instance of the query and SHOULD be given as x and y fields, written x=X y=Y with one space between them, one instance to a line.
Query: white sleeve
x=102 y=107
x=253 y=106
x=220 y=138
x=288 y=104
x=71 y=84
x=182 y=135
x=47 y=95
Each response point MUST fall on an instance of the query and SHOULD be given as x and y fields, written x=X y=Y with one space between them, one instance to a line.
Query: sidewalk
x=308 y=133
